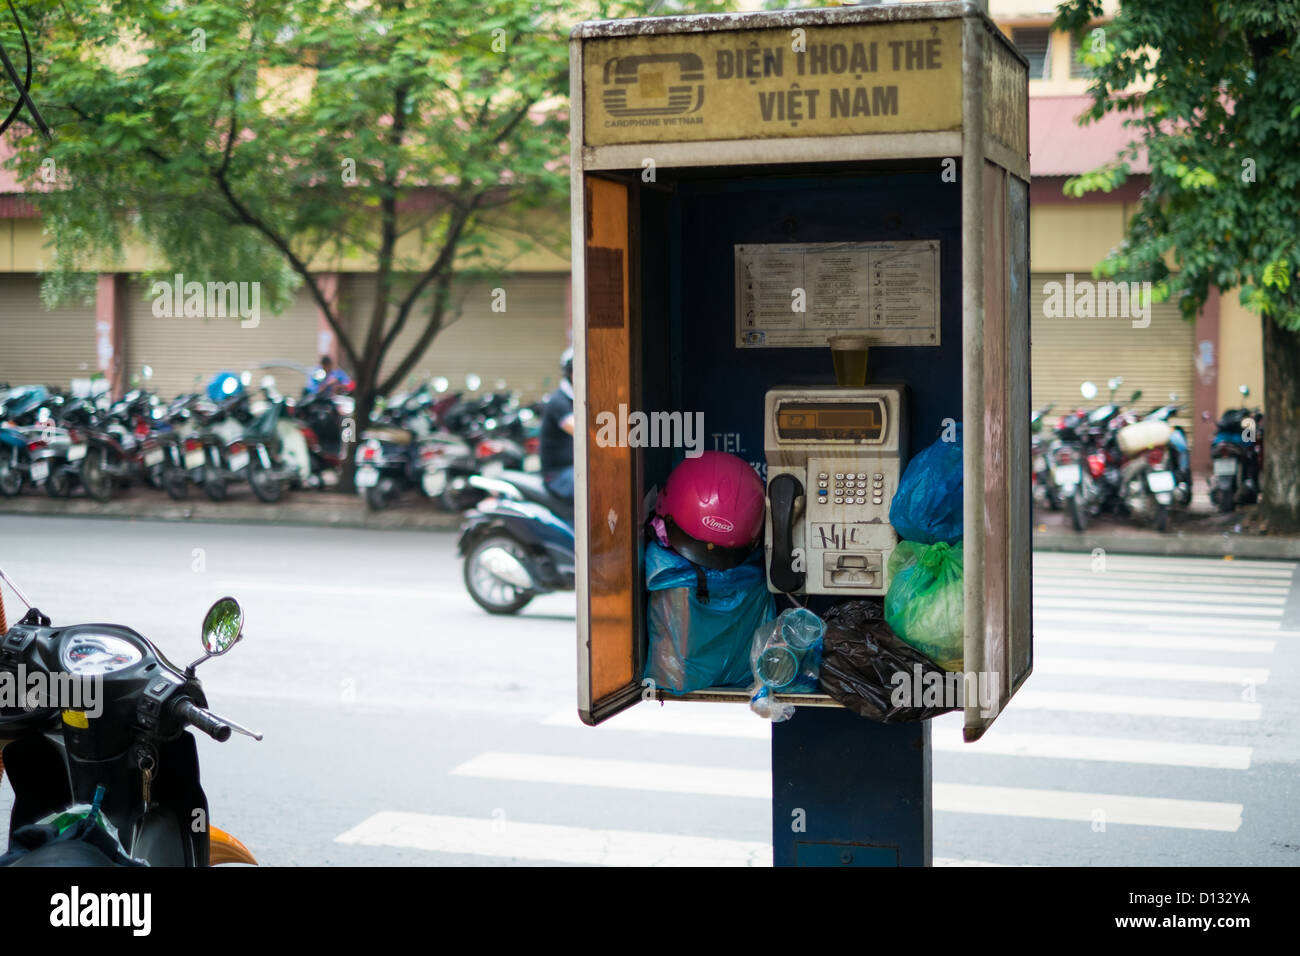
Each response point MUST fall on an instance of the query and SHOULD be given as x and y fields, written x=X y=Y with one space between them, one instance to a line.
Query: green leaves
x=1217 y=88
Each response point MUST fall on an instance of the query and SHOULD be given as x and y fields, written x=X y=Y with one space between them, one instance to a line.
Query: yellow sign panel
x=762 y=84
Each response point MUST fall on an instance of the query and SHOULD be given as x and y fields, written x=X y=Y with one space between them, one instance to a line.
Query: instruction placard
x=796 y=295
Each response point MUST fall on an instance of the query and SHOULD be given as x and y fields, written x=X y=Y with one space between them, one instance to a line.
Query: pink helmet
x=713 y=508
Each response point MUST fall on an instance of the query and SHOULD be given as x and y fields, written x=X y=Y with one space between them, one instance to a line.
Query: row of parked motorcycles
x=1112 y=459
x=430 y=442
x=426 y=440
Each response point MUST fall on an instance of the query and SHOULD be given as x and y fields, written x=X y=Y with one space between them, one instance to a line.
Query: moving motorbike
x=1236 y=455
x=518 y=542
x=115 y=783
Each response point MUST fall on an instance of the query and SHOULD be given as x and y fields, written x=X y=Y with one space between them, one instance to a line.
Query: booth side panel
x=1020 y=531
x=997 y=375
x=611 y=504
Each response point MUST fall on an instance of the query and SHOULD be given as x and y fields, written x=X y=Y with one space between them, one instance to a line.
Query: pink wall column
x=110 y=331
x=1207 y=382
x=327 y=342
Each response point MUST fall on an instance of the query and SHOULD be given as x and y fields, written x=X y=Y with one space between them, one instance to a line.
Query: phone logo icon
x=663 y=84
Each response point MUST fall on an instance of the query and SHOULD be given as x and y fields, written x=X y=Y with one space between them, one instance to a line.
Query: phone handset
x=783 y=493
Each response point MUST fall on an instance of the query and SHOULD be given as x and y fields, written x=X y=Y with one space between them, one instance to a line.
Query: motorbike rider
x=328 y=380
x=557 y=434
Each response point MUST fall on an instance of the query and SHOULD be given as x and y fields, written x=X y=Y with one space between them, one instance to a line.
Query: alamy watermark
x=948 y=689
x=213 y=300
x=36 y=689
x=651 y=430
x=1086 y=299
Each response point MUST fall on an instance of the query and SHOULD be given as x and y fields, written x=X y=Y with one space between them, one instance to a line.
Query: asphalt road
x=405 y=726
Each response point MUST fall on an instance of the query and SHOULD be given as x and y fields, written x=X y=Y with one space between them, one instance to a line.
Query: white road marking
x=996 y=742
x=1177 y=566
x=1131 y=704
x=1106 y=749
x=1184 y=607
x=1149 y=670
x=1129 y=621
x=618 y=774
x=947 y=797
x=510 y=839
x=1112 y=808
x=694 y=720
x=1169 y=642
x=1125 y=589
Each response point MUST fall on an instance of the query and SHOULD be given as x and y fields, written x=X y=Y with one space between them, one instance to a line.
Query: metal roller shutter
x=1066 y=352
x=521 y=345
x=39 y=347
x=187 y=352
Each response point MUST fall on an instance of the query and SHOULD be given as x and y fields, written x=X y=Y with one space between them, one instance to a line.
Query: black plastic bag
x=862 y=659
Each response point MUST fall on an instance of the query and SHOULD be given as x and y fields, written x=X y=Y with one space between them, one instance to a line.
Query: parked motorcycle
x=1038 y=449
x=116 y=783
x=517 y=542
x=1079 y=466
x=1237 y=455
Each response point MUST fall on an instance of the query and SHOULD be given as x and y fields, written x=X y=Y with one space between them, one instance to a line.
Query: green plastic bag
x=924 y=604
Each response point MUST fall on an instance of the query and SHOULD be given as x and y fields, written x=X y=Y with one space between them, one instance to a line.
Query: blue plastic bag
x=927 y=508
x=700 y=630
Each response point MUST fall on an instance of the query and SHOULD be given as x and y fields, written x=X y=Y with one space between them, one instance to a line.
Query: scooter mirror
x=1088 y=390
x=1135 y=396
x=440 y=384
x=472 y=382
x=1245 y=390
x=1115 y=383
x=246 y=378
x=146 y=372
x=223 y=626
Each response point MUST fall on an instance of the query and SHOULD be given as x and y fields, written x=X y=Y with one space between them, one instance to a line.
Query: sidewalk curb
x=334 y=514
x=1176 y=544
x=300 y=513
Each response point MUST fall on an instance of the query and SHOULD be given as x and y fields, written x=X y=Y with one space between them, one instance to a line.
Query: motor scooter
x=104 y=769
x=517 y=542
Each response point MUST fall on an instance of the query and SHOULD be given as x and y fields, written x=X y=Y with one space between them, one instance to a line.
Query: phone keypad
x=851 y=488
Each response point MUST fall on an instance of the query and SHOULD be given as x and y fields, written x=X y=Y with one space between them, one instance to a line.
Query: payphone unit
x=833 y=464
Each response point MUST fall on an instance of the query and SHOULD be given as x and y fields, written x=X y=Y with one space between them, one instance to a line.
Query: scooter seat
x=533 y=488
x=390 y=435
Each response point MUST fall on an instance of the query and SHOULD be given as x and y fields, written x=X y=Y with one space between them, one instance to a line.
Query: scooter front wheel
x=11 y=479
x=59 y=484
x=488 y=589
x=265 y=484
x=1078 y=510
x=95 y=477
x=176 y=483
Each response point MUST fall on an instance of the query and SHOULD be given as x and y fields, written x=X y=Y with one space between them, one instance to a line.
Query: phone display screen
x=825 y=421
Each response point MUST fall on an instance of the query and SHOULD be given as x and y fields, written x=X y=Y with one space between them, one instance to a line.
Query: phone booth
x=750 y=190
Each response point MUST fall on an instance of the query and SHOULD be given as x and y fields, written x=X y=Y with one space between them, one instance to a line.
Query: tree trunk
x=365 y=404
x=1280 y=481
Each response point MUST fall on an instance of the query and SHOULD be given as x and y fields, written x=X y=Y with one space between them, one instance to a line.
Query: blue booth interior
x=686 y=226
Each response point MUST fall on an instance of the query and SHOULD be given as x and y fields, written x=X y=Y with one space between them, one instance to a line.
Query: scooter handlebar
x=212 y=725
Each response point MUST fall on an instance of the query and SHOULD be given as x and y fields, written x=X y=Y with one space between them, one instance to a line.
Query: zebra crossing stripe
x=503 y=838
x=1150 y=670
x=947 y=797
x=1169 y=642
x=506 y=839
